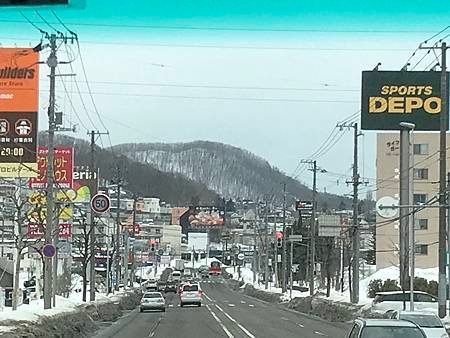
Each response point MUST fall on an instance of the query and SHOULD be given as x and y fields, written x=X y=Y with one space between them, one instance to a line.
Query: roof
x=400 y=292
x=418 y=313
x=387 y=322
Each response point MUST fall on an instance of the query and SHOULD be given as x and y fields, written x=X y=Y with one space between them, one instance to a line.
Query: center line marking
x=251 y=305
x=231 y=305
x=301 y=325
x=220 y=322
x=284 y=318
x=319 y=333
x=207 y=297
x=248 y=333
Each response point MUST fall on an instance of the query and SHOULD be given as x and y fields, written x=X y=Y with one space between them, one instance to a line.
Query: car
x=202 y=268
x=176 y=276
x=153 y=301
x=161 y=285
x=385 y=328
x=171 y=286
x=394 y=300
x=190 y=294
x=429 y=322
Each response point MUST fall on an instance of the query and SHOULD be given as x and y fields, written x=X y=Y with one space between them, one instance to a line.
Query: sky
x=272 y=77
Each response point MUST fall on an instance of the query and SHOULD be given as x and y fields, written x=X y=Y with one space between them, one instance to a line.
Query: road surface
x=224 y=313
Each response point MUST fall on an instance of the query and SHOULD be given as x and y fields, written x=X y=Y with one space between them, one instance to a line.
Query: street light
x=409 y=128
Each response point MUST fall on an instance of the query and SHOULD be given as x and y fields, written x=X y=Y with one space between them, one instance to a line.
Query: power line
x=237 y=29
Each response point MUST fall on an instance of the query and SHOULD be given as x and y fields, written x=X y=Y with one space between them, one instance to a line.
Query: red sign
x=279 y=235
x=37 y=230
x=136 y=228
x=65 y=230
x=62 y=166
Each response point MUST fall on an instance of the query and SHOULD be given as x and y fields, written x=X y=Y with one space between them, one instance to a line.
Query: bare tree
x=82 y=248
x=20 y=232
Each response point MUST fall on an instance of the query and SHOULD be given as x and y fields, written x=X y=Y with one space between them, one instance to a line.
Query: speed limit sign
x=100 y=203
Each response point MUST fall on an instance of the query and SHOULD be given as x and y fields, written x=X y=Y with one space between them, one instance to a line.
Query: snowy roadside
x=77 y=315
x=340 y=299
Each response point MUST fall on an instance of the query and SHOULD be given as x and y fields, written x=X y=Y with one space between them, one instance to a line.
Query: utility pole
x=118 y=230
x=266 y=244
x=355 y=232
x=284 y=242
x=52 y=62
x=312 y=230
x=92 y=236
x=313 y=233
x=442 y=178
x=275 y=263
x=133 y=250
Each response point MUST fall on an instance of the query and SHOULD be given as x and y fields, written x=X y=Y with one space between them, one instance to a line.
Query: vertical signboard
x=62 y=166
x=19 y=98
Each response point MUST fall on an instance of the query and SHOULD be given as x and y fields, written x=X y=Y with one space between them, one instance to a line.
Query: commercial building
x=426 y=186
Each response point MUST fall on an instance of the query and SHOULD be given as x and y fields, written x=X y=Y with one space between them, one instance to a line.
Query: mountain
x=230 y=171
x=139 y=178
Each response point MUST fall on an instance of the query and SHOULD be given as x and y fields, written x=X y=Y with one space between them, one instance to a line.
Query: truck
x=179 y=264
x=215 y=269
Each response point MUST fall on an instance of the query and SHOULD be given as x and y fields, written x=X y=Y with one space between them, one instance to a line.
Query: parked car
x=385 y=328
x=171 y=286
x=153 y=301
x=190 y=294
x=429 y=322
x=394 y=300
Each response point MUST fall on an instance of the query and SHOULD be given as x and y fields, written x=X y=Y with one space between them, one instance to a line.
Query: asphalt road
x=224 y=313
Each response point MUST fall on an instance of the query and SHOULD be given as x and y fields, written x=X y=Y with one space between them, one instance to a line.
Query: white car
x=429 y=322
x=153 y=301
x=190 y=294
x=394 y=300
x=384 y=328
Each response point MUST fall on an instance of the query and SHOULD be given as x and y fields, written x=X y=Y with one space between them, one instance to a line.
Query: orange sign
x=19 y=80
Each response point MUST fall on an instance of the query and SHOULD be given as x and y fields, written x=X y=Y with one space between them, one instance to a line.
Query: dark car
x=171 y=286
x=161 y=285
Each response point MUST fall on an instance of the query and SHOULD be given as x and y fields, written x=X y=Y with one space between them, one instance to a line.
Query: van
x=394 y=300
x=176 y=276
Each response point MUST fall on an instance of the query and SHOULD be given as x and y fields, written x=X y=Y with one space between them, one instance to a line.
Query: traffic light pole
x=283 y=248
x=118 y=231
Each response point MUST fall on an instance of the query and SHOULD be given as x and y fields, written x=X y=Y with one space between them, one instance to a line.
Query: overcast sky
x=273 y=77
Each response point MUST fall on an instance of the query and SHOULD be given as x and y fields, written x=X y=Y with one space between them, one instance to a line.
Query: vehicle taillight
x=200 y=293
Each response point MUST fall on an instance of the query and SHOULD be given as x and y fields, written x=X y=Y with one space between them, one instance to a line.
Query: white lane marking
x=170 y=305
x=248 y=333
x=207 y=297
x=220 y=322
x=320 y=333
x=231 y=305
x=243 y=302
x=301 y=325
x=152 y=334
x=251 y=305
x=284 y=318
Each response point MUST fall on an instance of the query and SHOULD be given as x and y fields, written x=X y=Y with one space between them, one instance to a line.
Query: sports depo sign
x=391 y=97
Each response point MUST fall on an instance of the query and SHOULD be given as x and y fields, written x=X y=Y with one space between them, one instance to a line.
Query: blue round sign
x=49 y=250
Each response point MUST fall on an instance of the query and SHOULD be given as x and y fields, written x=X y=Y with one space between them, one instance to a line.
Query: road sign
x=383 y=205
x=100 y=203
x=160 y=252
x=64 y=249
x=241 y=256
x=303 y=205
x=49 y=250
x=295 y=238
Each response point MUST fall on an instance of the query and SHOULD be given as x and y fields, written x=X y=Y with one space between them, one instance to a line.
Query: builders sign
x=389 y=98
x=19 y=95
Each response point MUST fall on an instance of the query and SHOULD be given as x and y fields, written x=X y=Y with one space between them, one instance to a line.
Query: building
x=426 y=177
x=171 y=239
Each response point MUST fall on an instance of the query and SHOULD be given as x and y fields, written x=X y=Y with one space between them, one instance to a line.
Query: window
x=421 y=174
x=420 y=198
x=420 y=224
x=421 y=149
x=158 y=231
x=355 y=331
x=421 y=249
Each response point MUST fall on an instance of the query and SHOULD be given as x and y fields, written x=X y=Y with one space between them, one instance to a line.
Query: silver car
x=153 y=301
x=429 y=322
x=190 y=294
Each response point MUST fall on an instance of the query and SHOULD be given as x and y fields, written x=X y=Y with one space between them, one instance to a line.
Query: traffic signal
x=279 y=239
x=152 y=247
